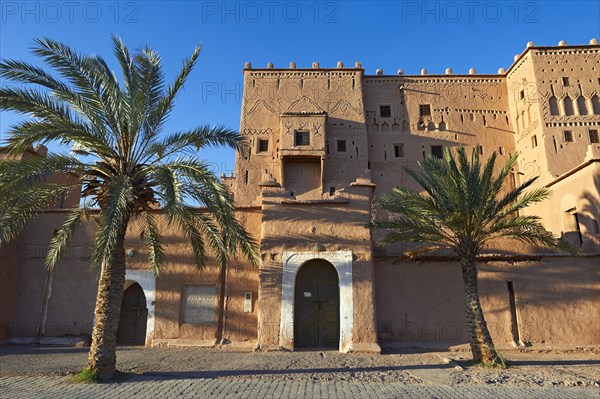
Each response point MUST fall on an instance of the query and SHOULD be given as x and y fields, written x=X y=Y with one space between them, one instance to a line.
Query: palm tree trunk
x=479 y=336
x=102 y=358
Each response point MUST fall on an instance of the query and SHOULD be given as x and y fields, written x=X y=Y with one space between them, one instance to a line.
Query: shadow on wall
x=71 y=304
x=170 y=302
x=553 y=301
x=591 y=206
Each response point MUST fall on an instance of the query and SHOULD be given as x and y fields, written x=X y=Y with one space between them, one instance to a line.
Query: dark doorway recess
x=133 y=318
x=317 y=306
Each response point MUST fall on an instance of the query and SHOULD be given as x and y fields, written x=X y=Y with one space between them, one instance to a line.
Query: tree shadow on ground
x=8 y=350
x=209 y=374
x=513 y=363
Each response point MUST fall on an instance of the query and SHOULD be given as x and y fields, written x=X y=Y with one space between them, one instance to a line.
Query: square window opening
x=263 y=145
x=341 y=145
x=399 y=150
x=385 y=111
x=568 y=136
x=301 y=138
x=594 y=138
x=437 y=151
x=425 y=110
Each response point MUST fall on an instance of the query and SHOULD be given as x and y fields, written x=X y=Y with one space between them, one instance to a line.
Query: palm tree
x=463 y=209
x=124 y=163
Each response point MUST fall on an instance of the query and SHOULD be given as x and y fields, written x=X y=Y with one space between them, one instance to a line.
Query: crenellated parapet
x=358 y=124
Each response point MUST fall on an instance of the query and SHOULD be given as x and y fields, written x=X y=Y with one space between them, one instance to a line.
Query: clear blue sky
x=406 y=34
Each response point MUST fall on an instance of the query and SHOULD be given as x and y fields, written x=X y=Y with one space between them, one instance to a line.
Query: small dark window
x=263 y=145
x=594 y=139
x=302 y=138
x=522 y=95
x=534 y=141
x=436 y=151
x=565 y=81
x=568 y=136
x=332 y=191
x=341 y=145
x=501 y=150
x=424 y=110
x=385 y=111
x=480 y=149
x=399 y=150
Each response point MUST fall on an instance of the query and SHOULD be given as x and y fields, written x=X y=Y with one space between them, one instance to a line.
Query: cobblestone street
x=156 y=386
x=45 y=372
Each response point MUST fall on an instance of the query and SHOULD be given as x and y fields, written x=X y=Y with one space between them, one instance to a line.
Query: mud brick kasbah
x=325 y=142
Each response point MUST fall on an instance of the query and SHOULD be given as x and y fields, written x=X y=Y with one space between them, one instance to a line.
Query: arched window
x=553 y=105
x=568 y=103
x=595 y=105
x=581 y=106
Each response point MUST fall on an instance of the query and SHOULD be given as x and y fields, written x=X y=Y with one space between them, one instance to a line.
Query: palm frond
x=125 y=61
x=16 y=175
x=463 y=206
x=159 y=115
x=61 y=238
x=18 y=210
x=521 y=200
x=78 y=101
x=188 y=222
x=201 y=185
x=200 y=137
x=55 y=122
x=152 y=240
x=22 y=72
x=238 y=238
x=75 y=69
x=418 y=230
x=114 y=217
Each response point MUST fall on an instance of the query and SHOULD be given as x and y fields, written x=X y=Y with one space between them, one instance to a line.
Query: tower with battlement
x=325 y=142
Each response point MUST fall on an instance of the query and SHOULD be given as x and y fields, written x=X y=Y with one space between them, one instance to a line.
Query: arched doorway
x=317 y=306
x=133 y=318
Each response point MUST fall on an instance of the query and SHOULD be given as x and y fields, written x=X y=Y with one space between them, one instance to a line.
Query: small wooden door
x=133 y=317
x=317 y=306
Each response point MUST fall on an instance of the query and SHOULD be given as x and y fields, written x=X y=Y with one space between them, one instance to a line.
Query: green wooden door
x=317 y=306
x=133 y=317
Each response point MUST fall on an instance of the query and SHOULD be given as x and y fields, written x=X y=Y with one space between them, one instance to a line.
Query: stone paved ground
x=28 y=387
x=44 y=372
